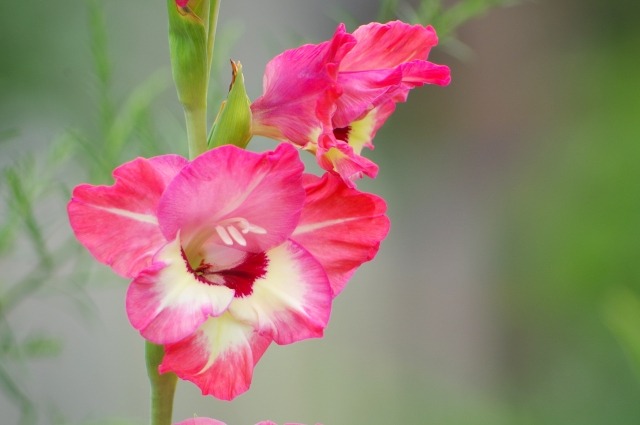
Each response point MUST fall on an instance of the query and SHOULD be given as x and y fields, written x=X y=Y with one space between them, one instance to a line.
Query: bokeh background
x=506 y=293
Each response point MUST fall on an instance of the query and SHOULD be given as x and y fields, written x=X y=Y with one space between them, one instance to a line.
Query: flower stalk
x=192 y=28
x=196 y=120
x=163 y=386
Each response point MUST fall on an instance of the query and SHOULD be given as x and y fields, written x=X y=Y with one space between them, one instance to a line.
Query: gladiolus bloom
x=227 y=253
x=331 y=98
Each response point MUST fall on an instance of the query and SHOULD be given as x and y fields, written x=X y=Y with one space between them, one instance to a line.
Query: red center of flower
x=240 y=278
x=342 y=133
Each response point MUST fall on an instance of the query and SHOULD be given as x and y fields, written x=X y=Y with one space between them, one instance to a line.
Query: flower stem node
x=233 y=123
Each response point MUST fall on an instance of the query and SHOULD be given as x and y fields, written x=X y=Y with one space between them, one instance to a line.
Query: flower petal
x=219 y=357
x=387 y=61
x=360 y=133
x=200 y=421
x=167 y=303
x=383 y=46
x=363 y=91
x=118 y=223
x=339 y=157
x=293 y=83
x=340 y=226
x=292 y=301
x=258 y=195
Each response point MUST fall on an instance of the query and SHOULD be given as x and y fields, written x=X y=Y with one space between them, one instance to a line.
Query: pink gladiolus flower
x=331 y=98
x=227 y=253
x=207 y=421
x=182 y=3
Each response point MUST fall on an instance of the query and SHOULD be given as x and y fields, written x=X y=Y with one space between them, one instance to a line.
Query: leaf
x=39 y=346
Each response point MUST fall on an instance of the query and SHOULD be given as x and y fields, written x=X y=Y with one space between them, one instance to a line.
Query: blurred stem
x=27 y=409
x=196 y=130
x=163 y=386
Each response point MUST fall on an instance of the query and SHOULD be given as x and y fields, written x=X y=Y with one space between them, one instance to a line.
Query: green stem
x=214 y=8
x=163 y=386
x=196 y=130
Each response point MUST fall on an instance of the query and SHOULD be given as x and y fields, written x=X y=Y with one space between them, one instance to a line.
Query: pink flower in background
x=207 y=421
x=331 y=98
x=227 y=253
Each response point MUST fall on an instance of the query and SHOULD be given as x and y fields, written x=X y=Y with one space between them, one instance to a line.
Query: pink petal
x=258 y=195
x=118 y=223
x=207 y=421
x=339 y=157
x=340 y=226
x=293 y=83
x=418 y=73
x=166 y=302
x=387 y=61
x=383 y=46
x=219 y=358
x=363 y=91
x=200 y=421
x=292 y=301
x=361 y=132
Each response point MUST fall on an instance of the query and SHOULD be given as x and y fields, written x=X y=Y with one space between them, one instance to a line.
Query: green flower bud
x=233 y=123
x=188 y=43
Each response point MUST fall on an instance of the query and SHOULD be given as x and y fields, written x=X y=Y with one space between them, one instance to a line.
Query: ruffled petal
x=360 y=133
x=167 y=303
x=339 y=157
x=395 y=50
x=293 y=83
x=292 y=301
x=236 y=198
x=118 y=224
x=418 y=73
x=383 y=46
x=362 y=91
x=340 y=226
x=219 y=357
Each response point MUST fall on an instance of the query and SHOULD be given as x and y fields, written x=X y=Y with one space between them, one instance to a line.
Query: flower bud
x=189 y=53
x=233 y=123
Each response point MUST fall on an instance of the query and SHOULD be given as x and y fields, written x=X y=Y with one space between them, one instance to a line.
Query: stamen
x=236 y=235
x=232 y=229
x=224 y=235
x=257 y=229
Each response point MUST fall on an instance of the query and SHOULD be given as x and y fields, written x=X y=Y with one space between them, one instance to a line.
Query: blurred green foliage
x=37 y=180
x=572 y=275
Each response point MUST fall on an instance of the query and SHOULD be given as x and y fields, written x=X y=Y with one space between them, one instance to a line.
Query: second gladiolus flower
x=331 y=98
x=227 y=253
